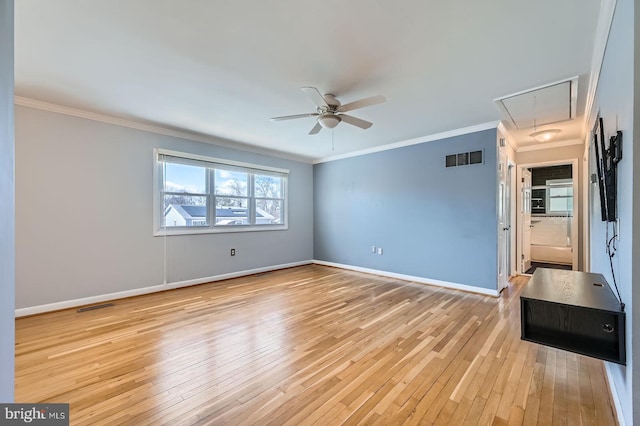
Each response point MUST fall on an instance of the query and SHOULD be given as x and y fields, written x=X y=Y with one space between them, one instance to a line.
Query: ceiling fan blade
x=358 y=122
x=373 y=100
x=315 y=96
x=315 y=129
x=291 y=117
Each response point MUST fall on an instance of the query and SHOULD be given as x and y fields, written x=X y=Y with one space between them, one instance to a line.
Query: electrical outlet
x=233 y=252
x=373 y=249
x=379 y=250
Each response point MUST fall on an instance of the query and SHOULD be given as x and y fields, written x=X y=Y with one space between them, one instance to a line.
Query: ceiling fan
x=330 y=112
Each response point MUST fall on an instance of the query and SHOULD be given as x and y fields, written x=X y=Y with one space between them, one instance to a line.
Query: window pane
x=183 y=178
x=231 y=183
x=268 y=212
x=185 y=210
x=231 y=211
x=560 y=192
x=268 y=186
x=558 y=204
x=561 y=205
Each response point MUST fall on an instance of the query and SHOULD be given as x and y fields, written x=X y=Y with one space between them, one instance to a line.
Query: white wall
x=7 y=248
x=615 y=102
x=72 y=174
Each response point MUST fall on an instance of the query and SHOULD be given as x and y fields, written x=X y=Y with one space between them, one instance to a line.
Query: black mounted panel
x=574 y=311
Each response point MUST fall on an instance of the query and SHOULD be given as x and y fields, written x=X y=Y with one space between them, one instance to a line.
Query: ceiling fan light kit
x=329 y=121
x=545 y=135
x=330 y=112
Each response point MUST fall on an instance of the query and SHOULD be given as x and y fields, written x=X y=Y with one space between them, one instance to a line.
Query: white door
x=508 y=218
x=526 y=221
x=503 y=274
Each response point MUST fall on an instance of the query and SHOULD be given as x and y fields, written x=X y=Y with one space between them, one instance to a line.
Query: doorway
x=547 y=220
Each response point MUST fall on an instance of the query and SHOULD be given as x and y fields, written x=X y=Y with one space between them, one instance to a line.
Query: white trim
x=154 y=128
x=586 y=205
x=603 y=27
x=550 y=145
x=614 y=395
x=421 y=280
x=414 y=141
x=513 y=220
x=146 y=290
x=219 y=229
x=56 y=306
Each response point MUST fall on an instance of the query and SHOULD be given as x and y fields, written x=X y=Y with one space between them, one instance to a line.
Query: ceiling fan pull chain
x=333 y=148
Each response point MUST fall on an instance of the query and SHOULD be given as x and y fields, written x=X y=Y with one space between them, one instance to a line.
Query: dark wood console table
x=574 y=311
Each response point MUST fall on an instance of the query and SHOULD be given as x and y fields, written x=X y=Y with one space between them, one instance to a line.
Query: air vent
x=94 y=307
x=463 y=159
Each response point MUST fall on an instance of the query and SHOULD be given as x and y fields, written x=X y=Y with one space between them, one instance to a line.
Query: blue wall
x=432 y=222
x=615 y=101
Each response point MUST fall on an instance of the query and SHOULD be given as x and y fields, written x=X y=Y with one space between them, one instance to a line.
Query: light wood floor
x=308 y=345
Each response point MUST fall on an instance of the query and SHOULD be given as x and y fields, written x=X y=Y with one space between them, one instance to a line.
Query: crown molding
x=414 y=141
x=550 y=145
x=603 y=27
x=152 y=128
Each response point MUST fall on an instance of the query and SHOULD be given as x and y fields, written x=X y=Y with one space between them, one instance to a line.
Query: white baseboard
x=614 y=394
x=421 y=280
x=21 y=312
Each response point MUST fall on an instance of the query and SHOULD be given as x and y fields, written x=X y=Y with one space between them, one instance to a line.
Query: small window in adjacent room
x=199 y=194
x=560 y=196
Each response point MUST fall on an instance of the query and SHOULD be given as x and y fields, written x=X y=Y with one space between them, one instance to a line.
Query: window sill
x=218 y=230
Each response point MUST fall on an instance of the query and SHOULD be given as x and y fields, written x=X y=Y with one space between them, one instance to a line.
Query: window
x=197 y=194
x=560 y=196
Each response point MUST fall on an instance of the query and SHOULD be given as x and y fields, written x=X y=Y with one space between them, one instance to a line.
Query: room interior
x=409 y=139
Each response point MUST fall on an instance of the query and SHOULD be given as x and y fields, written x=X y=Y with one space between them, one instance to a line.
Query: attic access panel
x=548 y=104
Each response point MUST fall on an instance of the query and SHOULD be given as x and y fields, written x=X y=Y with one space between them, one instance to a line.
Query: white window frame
x=558 y=183
x=211 y=163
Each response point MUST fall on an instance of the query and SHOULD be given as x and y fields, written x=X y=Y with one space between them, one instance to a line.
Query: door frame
x=509 y=214
x=577 y=210
x=511 y=244
x=503 y=220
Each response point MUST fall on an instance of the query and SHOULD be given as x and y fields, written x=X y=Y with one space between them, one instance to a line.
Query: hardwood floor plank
x=301 y=346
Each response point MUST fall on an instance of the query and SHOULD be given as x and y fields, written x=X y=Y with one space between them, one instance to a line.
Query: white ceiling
x=223 y=68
